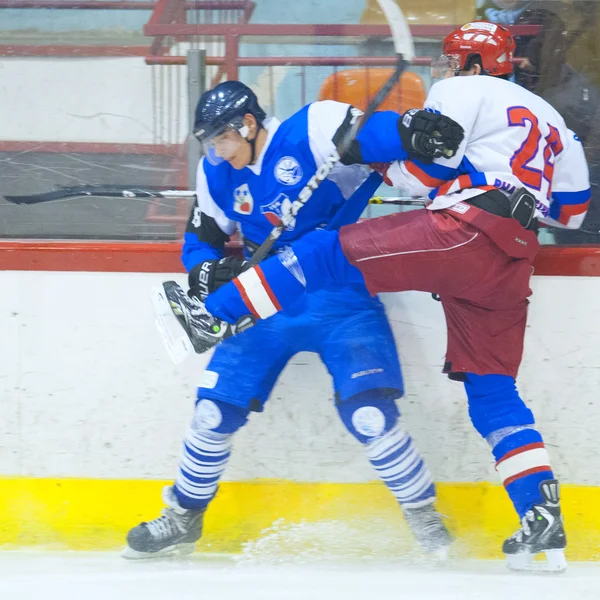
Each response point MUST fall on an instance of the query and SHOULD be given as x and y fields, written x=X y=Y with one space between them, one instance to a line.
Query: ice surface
x=95 y=576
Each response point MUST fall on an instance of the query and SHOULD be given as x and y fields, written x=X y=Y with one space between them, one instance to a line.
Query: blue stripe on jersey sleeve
x=572 y=197
x=560 y=199
x=379 y=138
x=437 y=171
x=194 y=251
x=478 y=179
x=466 y=167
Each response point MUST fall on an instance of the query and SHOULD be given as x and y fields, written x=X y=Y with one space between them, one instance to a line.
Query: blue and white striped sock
x=401 y=467
x=203 y=459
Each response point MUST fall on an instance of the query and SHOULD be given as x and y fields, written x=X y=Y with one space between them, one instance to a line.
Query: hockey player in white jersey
x=474 y=246
x=253 y=169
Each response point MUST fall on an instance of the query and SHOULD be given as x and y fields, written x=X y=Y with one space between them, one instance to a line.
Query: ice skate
x=175 y=532
x=429 y=530
x=542 y=530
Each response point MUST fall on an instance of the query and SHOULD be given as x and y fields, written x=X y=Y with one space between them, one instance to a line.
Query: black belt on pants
x=492 y=201
x=496 y=203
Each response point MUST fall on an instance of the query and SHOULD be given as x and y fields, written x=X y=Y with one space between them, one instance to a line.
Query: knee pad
x=368 y=419
x=218 y=416
x=495 y=404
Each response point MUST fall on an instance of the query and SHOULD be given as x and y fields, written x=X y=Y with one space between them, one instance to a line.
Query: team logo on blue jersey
x=288 y=171
x=244 y=202
x=275 y=210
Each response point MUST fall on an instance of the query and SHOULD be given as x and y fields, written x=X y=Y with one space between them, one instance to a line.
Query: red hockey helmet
x=493 y=43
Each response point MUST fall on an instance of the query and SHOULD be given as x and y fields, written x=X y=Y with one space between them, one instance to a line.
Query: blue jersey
x=346 y=327
x=254 y=198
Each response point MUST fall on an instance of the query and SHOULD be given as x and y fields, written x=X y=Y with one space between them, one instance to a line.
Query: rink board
x=93 y=413
x=277 y=518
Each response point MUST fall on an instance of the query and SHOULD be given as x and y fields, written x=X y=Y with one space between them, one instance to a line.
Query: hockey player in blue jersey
x=252 y=170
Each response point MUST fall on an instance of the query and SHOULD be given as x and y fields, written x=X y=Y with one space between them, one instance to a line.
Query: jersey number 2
x=530 y=176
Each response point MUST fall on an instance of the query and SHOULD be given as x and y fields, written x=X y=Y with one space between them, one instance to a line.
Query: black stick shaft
x=325 y=169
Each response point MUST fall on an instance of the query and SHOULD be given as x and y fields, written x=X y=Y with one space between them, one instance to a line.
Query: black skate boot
x=429 y=530
x=201 y=331
x=542 y=531
x=176 y=531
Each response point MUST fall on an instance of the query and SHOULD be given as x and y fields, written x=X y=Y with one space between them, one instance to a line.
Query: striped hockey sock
x=401 y=467
x=203 y=459
x=522 y=463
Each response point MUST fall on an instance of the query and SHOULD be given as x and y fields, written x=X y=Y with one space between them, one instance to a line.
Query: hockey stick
x=110 y=191
x=403 y=46
x=125 y=191
x=102 y=191
x=399 y=201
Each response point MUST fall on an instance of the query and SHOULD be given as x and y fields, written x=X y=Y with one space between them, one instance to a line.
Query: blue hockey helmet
x=224 y=108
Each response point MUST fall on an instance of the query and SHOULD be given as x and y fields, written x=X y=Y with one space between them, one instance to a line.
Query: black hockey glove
x=210 y=275
x=426 y=135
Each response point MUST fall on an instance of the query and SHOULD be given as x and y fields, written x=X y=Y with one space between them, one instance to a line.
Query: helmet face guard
x=446 y=65
x=220 y=144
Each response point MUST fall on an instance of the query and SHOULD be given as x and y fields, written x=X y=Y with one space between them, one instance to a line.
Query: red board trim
x=132 y=257
x=160 y=257
x=573 y=261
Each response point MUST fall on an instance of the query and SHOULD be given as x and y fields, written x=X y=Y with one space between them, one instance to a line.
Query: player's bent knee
x=218 y=416
x=368 y=420
x=495 y=404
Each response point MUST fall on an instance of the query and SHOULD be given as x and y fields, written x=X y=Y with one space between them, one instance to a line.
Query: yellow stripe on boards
x=277 y=519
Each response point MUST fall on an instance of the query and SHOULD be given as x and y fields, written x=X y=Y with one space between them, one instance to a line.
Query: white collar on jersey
x=271 y=125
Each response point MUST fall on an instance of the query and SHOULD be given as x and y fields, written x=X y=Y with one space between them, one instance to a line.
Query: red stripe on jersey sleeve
x=422 y=176
x=267 y=287
x=572 y=210
x=245 y=298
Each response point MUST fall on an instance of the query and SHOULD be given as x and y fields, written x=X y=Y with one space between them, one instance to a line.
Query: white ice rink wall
x=88 y=391
x=93 y=412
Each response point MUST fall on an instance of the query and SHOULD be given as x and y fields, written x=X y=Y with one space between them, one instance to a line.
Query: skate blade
x=176 y=551
x=555 y=562
x=178 y=345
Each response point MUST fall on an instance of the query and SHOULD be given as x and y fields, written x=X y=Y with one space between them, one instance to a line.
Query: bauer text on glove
x=209 y=275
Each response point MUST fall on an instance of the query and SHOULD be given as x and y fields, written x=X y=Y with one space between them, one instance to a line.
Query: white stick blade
x=174 y=338
x=403 y=41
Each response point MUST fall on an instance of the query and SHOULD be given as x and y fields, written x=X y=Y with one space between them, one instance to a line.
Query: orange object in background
x=358 y=86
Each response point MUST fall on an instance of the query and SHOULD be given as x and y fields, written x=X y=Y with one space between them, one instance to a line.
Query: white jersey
x=513 y=138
